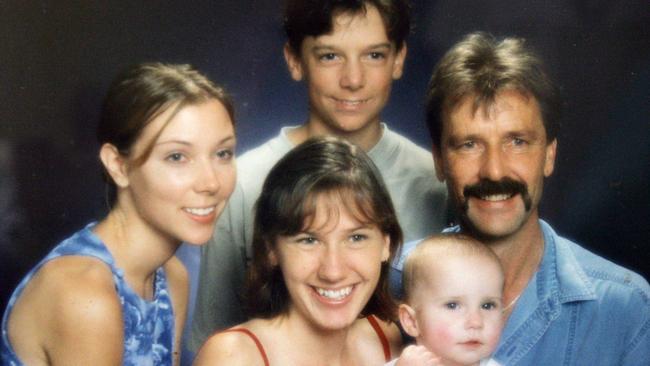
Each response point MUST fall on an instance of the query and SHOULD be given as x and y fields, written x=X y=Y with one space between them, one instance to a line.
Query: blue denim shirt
x=578 y=309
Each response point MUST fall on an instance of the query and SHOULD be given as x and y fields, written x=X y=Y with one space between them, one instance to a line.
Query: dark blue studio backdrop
x=56 y=62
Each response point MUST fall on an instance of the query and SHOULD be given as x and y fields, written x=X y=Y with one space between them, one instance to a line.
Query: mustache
x=508 y=186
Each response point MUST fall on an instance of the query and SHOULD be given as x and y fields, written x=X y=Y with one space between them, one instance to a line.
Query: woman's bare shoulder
x=364 y=337
x=80 y=290
x=234 y=346
x=72 y=308
x=72 y=283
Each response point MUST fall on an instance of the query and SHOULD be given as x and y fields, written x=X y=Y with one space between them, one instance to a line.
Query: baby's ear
x=408 y=320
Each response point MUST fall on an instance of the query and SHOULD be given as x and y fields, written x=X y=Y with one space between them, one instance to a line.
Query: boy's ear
x=115 y=164
x=407 y=319
x=398 y=63
x=294 y=63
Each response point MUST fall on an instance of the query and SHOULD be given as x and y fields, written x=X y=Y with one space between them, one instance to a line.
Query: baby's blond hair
x=436 y=248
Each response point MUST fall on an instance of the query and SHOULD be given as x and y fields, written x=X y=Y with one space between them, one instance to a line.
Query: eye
x=452 y=305
x=468 y=145
x=377 y=55
x=175 y=157
x=327 y=57
x=519 y=141
x=225 y=154
x=489 y=305
x=358 y=237
x=307 y=240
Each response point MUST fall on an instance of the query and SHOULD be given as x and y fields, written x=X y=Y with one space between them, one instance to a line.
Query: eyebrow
x=530 y=133
x=187 y=143
x=327 y=47
x=314 y=231
x=360 y=227
x=455 y=139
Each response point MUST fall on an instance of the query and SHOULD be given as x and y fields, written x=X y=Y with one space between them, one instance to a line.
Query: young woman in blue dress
x=114 y=293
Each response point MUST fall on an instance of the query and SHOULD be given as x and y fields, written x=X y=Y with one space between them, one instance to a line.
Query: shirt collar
x=561 y=270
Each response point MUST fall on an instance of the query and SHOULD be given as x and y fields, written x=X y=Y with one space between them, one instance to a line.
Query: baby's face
x=458 y=309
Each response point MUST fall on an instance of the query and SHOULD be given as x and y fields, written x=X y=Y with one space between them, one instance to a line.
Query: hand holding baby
x=418 y=356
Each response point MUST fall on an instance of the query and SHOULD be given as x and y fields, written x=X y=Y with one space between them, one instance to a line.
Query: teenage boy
x=348 y=53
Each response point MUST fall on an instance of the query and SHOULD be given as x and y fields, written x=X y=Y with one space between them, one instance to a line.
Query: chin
x=197 y=240
x=195 y=243
x=492 y=229
x=337 y=324
x=337 y=321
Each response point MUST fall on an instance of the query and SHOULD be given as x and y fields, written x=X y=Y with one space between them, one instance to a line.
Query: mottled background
x=57 y=59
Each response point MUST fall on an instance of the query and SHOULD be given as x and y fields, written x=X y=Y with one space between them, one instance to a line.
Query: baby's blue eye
x=489 y=306
x=451 y=305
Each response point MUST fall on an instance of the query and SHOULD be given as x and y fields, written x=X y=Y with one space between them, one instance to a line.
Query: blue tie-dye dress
x=148 y=325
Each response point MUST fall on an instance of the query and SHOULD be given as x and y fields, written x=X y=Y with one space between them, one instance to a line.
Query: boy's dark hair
x=303 y=18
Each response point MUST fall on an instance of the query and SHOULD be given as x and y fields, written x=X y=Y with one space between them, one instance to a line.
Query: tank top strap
x=382 y=337
x=255 y=339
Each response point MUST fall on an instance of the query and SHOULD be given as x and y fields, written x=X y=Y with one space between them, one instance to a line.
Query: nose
x=332 y=266
x=208 y=178
x=353 y=75
x=474 y=319
x=493 y=165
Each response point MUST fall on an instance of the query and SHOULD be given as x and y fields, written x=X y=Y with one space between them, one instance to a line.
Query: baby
x=453 y=288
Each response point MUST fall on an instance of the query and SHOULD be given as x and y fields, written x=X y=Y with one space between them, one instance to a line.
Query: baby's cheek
x=492 y=337
x=441 y=338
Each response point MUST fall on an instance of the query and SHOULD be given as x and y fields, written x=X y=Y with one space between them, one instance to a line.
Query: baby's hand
x=417 y=356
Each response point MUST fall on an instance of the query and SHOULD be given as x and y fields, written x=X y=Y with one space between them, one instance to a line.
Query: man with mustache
x=493 y=114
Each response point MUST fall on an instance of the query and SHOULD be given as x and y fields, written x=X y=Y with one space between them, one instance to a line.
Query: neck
x=366 y=137
x=520 y=255
x=321 y=346
x=137 y=249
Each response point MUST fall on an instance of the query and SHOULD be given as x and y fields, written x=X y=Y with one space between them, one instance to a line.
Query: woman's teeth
x=200 y=211
x=335 y=294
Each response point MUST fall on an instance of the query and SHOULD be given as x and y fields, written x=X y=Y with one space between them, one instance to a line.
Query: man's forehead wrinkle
x=486 y=104
x=486 y=108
